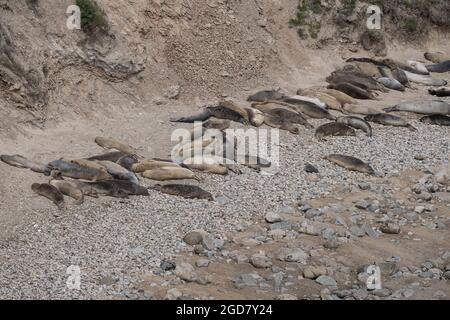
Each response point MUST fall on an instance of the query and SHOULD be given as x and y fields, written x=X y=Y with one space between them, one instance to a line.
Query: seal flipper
x=411 y=128
x=205 y=115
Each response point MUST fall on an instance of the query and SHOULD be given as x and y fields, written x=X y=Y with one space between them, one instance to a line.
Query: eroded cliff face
x=155 y=50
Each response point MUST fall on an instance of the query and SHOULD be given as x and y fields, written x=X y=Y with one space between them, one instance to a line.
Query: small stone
x=167 y=265
x=408 y=293
x=309 y=168
x=326 y=281
x=314 y=272
x=309 y=229
x=439 y=295
x=193 y=238
x=382 y=293
x=260 y=260
x=364 y=186
x=362 y=204
x=172 y=92
x=186 y=272
x=292 y=255
x=419 y=209
x=273 y=217
x=390 y=228
x=173 y=294
x=202 y=263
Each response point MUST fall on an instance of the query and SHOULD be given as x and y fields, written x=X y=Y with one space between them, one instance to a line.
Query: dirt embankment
x=200 y=50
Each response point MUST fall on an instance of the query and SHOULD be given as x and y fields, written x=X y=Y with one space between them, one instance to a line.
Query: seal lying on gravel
x=391 y=84
x=118 y=188
x=426 y=80
x=439 y=93
x=422 y=107
x=119 y=172
x=110 y=143
x=358 y=109
x=436 y=57
x=255 y=116
x=340 y=96
x=50 y=192
x=266 y=95
x=151 y=164
x=389 y=120
x=290 y=116
x=350 y=163
x=22 y=162
x=216 y=124
x=436 y=119
x=353 y=91
x=225 y=110
x=309 y=109
x=281 y=123
x=334 y=129
x=127 y=161
x=185 y=191
x=170 y=173
x=110 y=156
x=313 y=100
x=214 y=168
x=73 y=170
x=419 y=66
x=69 y=189
x=357 y=123
x=360 y=81
x=439 y=67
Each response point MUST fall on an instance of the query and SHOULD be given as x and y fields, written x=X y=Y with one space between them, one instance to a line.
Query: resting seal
x=50 y=192
x=357 y=123
x=389 y=120
x=439 y=67
x=436 y=119
x=422 y=107
x=350 y=163
x=334 y=129
x=185 y=191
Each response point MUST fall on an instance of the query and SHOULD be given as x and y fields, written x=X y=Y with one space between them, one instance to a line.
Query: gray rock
x=260 y=260
x=382 y=293
x=360 y=294
x=326 y=281
x=248 y=280
x=439 y=295
x=314 y=272
x=309 y=168
x=364 y=186
x=286 y=296
x=172 y=92
x=173 y=294
x=167 y=265
x=362 y=204
x=285 y=225
x=292 y=255
x=390 y=228
x=202 y=263
x=193 y=238
x=272 y=217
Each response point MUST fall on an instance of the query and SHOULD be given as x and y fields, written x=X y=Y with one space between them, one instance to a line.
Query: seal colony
x=120 y=170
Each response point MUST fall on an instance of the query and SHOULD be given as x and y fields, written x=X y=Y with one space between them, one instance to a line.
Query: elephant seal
x=401 y=77
x=439 y=93
x=309 y=109
x=389 y=120
x=127 y=161
x=340 y=96
x=75 y=171
x=358 y=109
x=256 y=117
x=22 y=162
x=266 y=95
x=439 y=67
x=183 y=190
x=436 y=119
x=50 y=192
x=419 y=66
x=110 y=156
x=290 y=116
x=334 y=129
x=368 y=69
x=353 y=91
x=426 y=80
x=422 y=107
x=170 y=173
x=87 y=164
x=205 y=166
x=350 y=163
x=404 y=66
x=128 y=187
x=436 y=57
x=391 y=84
x=119 y=172
x=151 y=164
x=357 y=123
x=361 y=81
x=331 y=102
x=217 y=124
x=110 y=143
x=85 y=188
x=69 y=189
x=225 y=110
x=281 y=123
x=315 y=101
